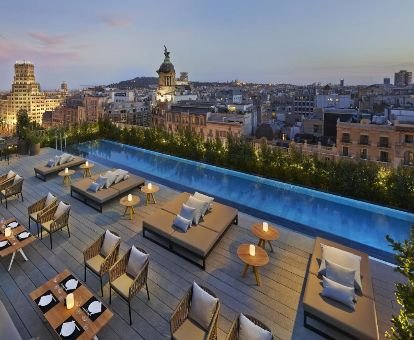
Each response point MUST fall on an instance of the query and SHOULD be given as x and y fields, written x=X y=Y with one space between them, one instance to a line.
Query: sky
x=269 y=41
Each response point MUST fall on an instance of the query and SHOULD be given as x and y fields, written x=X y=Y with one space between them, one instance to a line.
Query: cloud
x=48 y=40
x=118 y=20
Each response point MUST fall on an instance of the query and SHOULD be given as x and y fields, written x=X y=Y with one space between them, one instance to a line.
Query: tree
x=22 y=124
x=403 y=323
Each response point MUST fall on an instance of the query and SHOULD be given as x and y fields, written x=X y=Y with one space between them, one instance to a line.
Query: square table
x=15 y=244
x=58 y=314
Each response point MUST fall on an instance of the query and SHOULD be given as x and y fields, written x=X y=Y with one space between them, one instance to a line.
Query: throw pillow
x=94 y=187
x=199 y=206
x=136 y=261
x=248 y=330
x=340 y=274
x=57 y=160
x=109 y=242
x=187 y=212
x=101 y=181
x=111 y=178
x=182 y=223
x=344 y=259
x=10 y=174
x=202 y=306
x=64 y=158
x=120 y=175
x=51 y=163
x=205 y=198
x=49 y=199
x=61 y=209
x=338 y=292
x=17 y=179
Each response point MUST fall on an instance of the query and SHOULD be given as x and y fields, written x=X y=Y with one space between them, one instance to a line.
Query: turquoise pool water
x=300 y=208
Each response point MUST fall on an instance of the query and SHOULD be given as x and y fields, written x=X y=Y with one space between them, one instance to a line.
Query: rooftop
x=277 y=302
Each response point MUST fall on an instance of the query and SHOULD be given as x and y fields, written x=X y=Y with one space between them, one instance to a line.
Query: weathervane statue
x=166 y=53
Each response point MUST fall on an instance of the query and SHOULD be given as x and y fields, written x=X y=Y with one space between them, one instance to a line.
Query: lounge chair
x=11 y=187
x=97 y=200
x=42 y=171
x=235 y=327
x=200 y=240
x=182 y=327
x=54 y=219
x=7 y=176
x=37 y=208
x=126 y=285
x=334 y=316
x=98 y=261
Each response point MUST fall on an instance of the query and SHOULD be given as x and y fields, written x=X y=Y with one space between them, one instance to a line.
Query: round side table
x=87 y=169
x=66 y=176
x=265 y=236
x=149 y=193
x=129 y=205
x=258 y=260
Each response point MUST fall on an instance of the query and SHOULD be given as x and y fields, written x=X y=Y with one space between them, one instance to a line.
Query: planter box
x=34 y=149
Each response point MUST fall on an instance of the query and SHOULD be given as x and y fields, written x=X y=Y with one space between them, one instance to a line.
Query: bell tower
x=166 y=81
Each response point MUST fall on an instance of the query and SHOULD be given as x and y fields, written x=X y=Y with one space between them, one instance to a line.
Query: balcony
x=384 y=145
x=346 y=141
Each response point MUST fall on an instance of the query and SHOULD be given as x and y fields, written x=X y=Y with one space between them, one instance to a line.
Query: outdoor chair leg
x=21 y=194
x=68 y=230
x=6 y=201
x=110 y=294
x=29 y=222
x=84 y=266
x=50 y=235
x=101 y=286
x=130 y=318
x=146 y=285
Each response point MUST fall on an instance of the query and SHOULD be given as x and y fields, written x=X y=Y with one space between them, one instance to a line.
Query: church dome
x=166 y=66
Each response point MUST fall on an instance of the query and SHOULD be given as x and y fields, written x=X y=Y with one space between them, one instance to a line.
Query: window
x=409 y=158
x=316 y=128
x=346 y=138
x=364 y=140
x=345 y=151
x=364 y=154
x=383 y=142
x=409 y=139
x=384 y=156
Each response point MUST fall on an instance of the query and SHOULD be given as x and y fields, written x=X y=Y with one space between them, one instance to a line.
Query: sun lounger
x=42 y=170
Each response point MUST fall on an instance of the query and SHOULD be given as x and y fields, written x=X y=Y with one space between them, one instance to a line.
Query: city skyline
x=298 y=42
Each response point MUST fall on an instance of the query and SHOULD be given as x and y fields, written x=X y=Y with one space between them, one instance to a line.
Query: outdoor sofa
x=43 y=170
x=199 y=240
x=96 y=200
x=334 y=316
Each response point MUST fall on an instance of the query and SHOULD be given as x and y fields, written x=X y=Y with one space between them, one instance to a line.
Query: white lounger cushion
x=202 y=307
x=250 y=331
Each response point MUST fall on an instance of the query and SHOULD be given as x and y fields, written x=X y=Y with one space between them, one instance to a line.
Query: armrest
x=181 y=312
x=93 y=249
x=37 y=206
x=119 y=268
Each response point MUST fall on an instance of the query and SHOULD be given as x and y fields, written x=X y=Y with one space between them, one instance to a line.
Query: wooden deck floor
x=277 y=302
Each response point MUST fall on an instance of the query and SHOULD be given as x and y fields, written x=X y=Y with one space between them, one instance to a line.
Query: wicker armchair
x=180 y=315
x=235 y=327
x=95 y=262
x=118 y=271
x=51 y=225
x=3 y=178
x=37 y=208
x=8 y=189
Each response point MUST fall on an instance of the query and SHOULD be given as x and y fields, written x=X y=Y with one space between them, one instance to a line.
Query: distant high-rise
x=26 y=95
x=342 y=82
x=403 y=78
x=387 y=81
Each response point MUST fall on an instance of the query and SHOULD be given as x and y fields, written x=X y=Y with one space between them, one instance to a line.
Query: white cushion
x=202 y=306
x=94 y=187
x=182 y=223
x=17 y=179
x=10 y=174
x=111 y=178
x=340 y=274
x=61 y=209
x=200 y=206
x=136 y=261
x=49 y=199
x=101 y=181
x=338 y=292
x=120 y=175
x=344 y=259
x=64 y=158
x=187 y=212
x=110 y=240
x=205 y=198
x=248 y=330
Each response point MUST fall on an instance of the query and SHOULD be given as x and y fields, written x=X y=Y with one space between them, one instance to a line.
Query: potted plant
x=33 y=140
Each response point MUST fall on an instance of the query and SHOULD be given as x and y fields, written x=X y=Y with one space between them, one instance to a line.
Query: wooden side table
x=66 y=176
x=258 y=260
x=87 y=169
x=129 y=205
x=271 y=235
x=149 y=193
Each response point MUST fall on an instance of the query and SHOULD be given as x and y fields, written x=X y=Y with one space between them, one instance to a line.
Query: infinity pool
x=360 y=224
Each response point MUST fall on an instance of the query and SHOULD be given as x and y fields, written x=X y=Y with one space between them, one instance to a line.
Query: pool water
x=359 y=223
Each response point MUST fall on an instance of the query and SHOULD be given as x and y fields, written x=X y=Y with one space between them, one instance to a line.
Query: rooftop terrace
x=277 y=302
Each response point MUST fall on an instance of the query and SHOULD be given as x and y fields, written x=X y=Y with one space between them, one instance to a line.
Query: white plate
x=71 y=284
x=13 y=224
x=24 y=235
x=95 y=307
x=3 y=244
x=68 y=328
x=45 y=300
